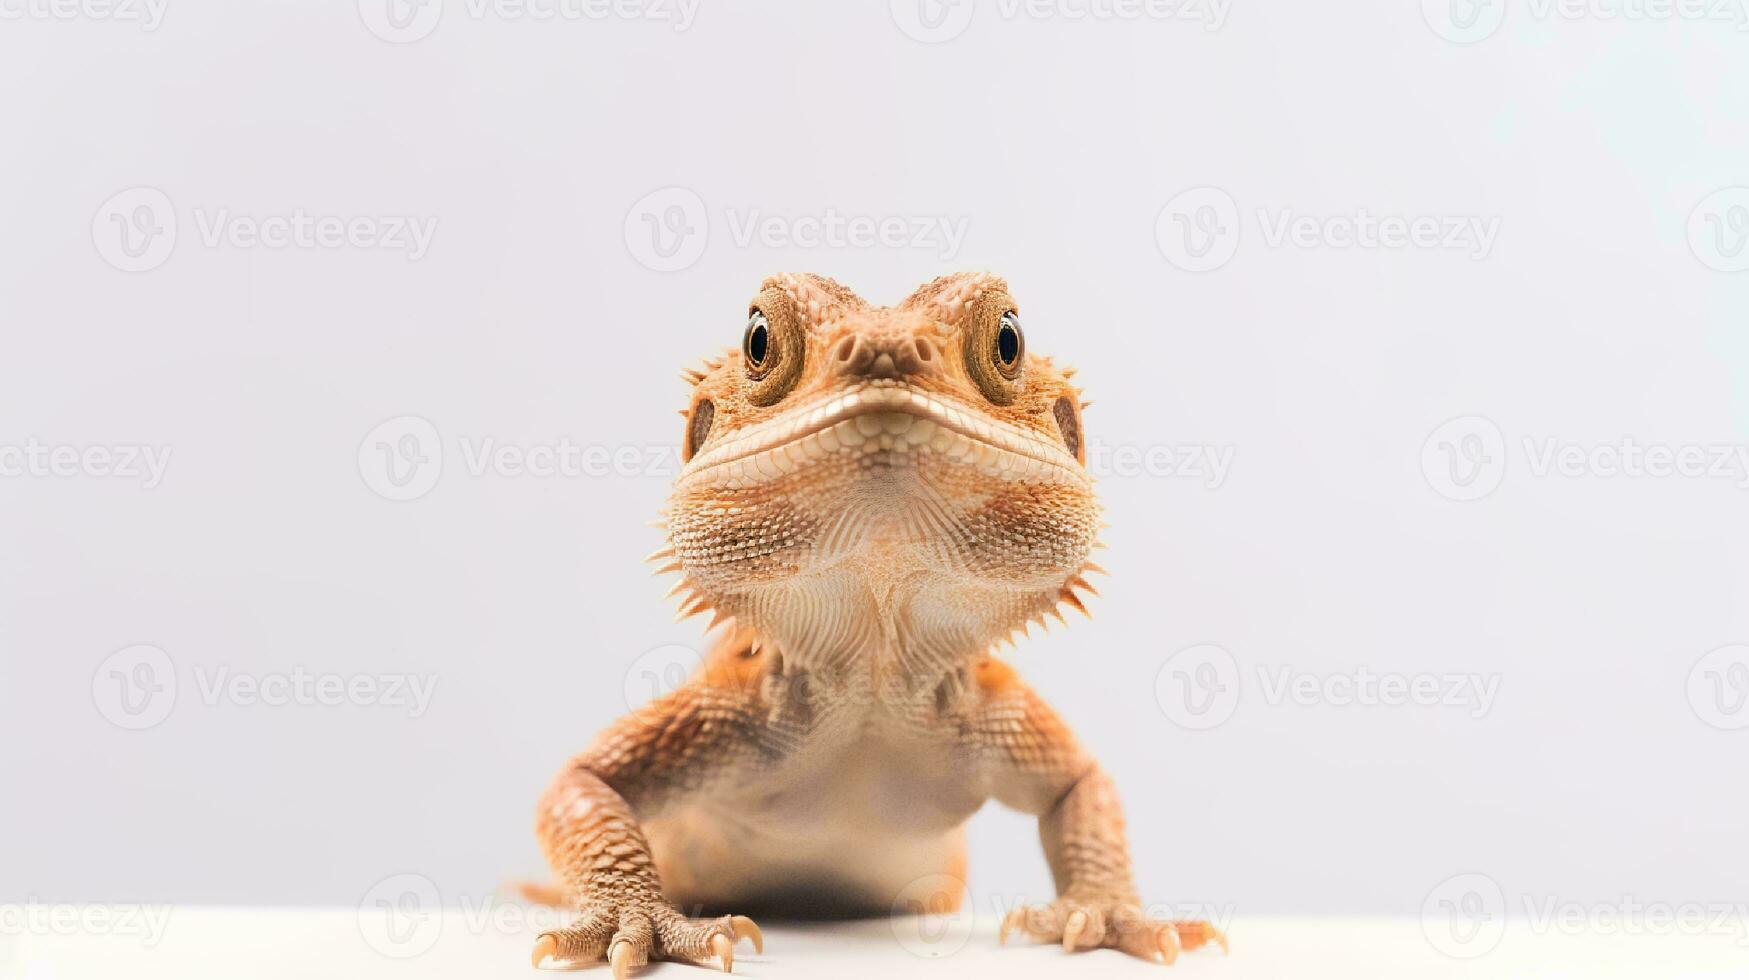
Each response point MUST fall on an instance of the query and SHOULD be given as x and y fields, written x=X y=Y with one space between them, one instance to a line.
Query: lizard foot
x=637 y=934
x=1079 y=924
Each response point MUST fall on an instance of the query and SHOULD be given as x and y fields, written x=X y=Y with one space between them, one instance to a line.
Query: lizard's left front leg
x=1039 y=768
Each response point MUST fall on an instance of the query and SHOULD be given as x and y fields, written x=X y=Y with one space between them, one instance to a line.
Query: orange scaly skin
x=872 y=498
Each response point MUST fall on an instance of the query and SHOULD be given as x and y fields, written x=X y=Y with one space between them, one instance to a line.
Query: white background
x=1331 y=547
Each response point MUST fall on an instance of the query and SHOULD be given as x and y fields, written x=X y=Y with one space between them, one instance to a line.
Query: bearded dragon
x=870 y=499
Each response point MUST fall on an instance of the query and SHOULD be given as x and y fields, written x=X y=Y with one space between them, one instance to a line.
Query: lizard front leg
x=1039 y=768
x=588 y=826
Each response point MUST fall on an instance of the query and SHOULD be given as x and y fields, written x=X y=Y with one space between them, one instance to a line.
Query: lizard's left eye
x=1010 y=344
x=756 y=343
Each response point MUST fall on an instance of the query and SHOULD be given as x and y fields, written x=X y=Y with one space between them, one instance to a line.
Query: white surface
x=1323 y=551
x=215 y=944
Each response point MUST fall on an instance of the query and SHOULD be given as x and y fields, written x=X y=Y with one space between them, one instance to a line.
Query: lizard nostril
x=845 y=350
x=925 y=350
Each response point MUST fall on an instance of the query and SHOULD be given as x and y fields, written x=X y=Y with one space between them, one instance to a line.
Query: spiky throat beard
x=882 y=520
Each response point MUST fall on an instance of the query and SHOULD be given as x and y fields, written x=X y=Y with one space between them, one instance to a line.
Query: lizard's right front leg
x=589 y=829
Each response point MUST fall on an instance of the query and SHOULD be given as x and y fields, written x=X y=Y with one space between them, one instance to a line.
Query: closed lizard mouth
x=891 y=422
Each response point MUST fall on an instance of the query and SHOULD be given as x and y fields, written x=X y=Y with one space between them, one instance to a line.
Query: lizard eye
x=995 y=350
x=756 y=344
x=1010 y=345
x=772 y=348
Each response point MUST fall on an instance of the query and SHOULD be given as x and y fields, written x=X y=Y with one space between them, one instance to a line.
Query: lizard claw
x=547 y=945
x=1168 y=942
x=1119 y=924
x=746 y=929
x=1073 y=928
x=620 y=958
x=724 y=947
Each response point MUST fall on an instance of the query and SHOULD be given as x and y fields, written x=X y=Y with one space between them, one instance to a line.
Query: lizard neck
x=890 y=621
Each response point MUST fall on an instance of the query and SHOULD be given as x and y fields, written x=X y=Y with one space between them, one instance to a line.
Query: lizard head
x=917 y=463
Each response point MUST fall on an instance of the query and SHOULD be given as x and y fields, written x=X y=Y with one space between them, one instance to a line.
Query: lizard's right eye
x=773 y=347
x=756 y=344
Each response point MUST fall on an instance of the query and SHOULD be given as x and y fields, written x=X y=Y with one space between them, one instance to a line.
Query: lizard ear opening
x=1068 y=416
x=698 y=427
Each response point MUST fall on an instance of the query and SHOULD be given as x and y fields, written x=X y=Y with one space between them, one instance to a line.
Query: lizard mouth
x=892 y=424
